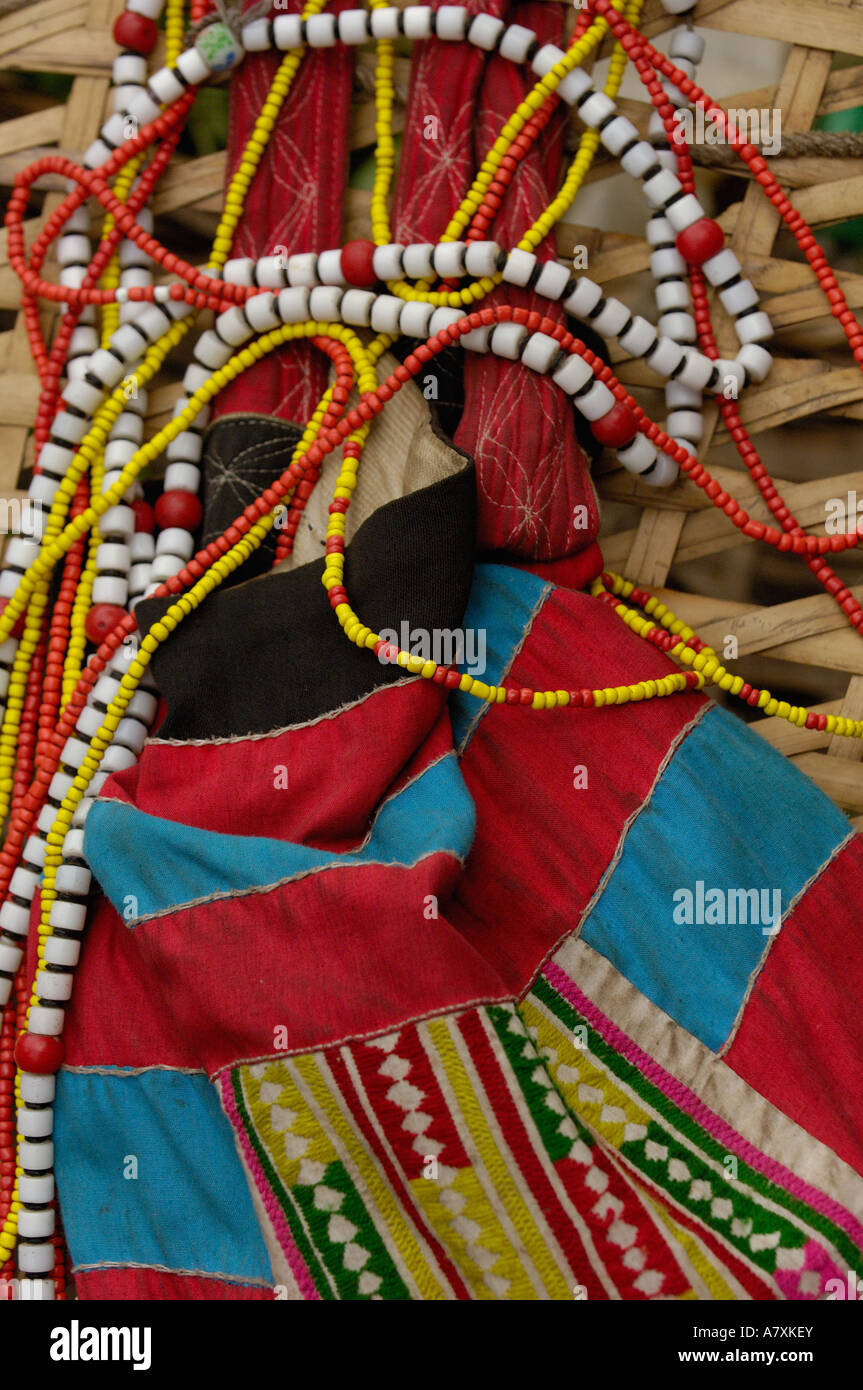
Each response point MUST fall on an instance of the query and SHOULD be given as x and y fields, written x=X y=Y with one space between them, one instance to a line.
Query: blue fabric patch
x=188 y=1208
x=164 y=864
x=502 y=600
x=732 y=813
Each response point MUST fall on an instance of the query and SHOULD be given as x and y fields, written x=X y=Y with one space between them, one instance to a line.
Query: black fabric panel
x=243 y=454
x=268 y=653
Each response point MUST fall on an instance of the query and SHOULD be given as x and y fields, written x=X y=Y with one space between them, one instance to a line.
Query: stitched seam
x=250 y=1280
x=514 y=655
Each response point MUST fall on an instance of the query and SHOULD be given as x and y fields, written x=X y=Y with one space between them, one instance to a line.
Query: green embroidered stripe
x=334 y=1248
x=620 y=1067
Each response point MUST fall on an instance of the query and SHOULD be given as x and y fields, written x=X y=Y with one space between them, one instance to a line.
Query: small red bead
x=37 y=1053
x=618 y=426
x=358 y=263
x=181 y=509
x=705 y=238
x=145 y=519
x=102 y=619
x=136 y=31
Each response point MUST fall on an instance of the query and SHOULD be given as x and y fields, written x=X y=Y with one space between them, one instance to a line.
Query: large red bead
x=145 y=519
x=179 y=509
x=705 y=238
x=616 y=427
x=37 y=1053
x=18 y=629
x=102 y=619
x=136 y=31
x=358 y=263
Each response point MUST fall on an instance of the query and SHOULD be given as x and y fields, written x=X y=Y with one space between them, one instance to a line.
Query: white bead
x=130 y=67
x=415 y=319
x=143 y=109
x=115 y=131
x=687 y=423
x=123 y=96
x=485 y=30
x=10 y=958
x=74 y=878
x=51 y=985
x=187 y=447
x=106 y=367
x=729 y=369
x=60 y=784
x=48 y=1022
x=74 y=250
x=36 y=1190
x=353 y=26
x=506 y=340
x=637 y=455
x=127 y=341
x=321 y=30
x=15 y=919
x=232 y=327
x=357 y=307
x=385 y=314
x=175 y=540
x=661 y=187
x=721 y=267
x=663 y=473
x=540 y=352
x=210 y=350
x=666 y=358
x=182 y=477
x=685 y=212
x=62 y=950
x=69 y=427
x=481 y=258
x=118 y=452
x=612 y=318
x=287 y=32
x=139 y=581
x=113 y=556
x=151 y=322
x=38 y=1124
x=638 y=337
x=696 y=371
x=639 y=159
x=596 y=402
x=387 y=261
x=239 y=271
x=385 y=22
x=672 y=93
x=617 y=134
x=678 y=6
x=519 y=267
x=36 y=1223
x=686 y=43
x=131 y=734
x=325 y=303
x=417 y=260
x=165 y=85
x=56 y=458
x=271 y=272
x=142 y=546
x=679 y=326
x=418 y=22
x=754 y=328
x=553 y=280
x=740 y=296
x=572 y=374
x=449 y=259
x=164 y=567
x=262 y=313
x=596 y=109
x=24 y=882
x=678 y=396
x=450 y=22
x=545 y=58
x=476 y=340
x=151 y=8
x=35 y=1259
x=194 y=377
x=444 y=318
x=36 y=1088
x=515 y=43
x=20 y=553
x=293 y=305
x=117 y=759
x=756 y=361
x=673 y=294
x=96 y=154
x=584 y=297
x=573 y=86
x=330 y=268
x=303 y=269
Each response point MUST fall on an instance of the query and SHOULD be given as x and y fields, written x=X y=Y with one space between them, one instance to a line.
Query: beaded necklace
x=92 y=719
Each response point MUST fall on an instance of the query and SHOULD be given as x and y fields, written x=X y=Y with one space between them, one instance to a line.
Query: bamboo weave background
x=805 y=417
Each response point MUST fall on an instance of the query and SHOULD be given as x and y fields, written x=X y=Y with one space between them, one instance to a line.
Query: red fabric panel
x=337 y=770
x=295 y=201
x=101 y=1284
x=530 y=873
x=800 y=1041
x=531 y=470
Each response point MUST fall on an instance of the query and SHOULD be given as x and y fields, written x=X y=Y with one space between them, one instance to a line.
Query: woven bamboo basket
x=804 y=418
